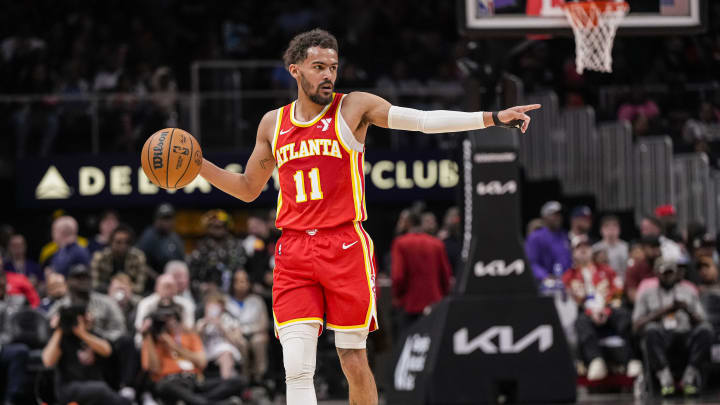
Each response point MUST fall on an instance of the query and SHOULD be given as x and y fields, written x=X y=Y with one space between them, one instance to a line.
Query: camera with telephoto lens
x=160 y=317
x=69 y=315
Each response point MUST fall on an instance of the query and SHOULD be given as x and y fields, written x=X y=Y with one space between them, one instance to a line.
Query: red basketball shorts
x=327 y=272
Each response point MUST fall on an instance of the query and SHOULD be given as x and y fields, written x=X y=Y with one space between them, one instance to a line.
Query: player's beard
x=315 y=97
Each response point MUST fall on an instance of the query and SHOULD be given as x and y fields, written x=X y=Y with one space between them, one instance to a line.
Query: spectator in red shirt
x=18 y=284
x=421 y=272
x=642 y=269
x=597 y=289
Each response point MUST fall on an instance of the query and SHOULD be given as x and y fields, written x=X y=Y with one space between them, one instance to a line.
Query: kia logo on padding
x=496 y=188
x=501 y=339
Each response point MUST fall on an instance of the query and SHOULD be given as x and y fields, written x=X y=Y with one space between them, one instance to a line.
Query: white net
x=594 y=24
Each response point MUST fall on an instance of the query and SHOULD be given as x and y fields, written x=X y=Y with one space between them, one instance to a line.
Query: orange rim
x=603 y=5
x=591 y=10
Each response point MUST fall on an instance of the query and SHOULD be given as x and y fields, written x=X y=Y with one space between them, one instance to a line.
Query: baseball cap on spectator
x=581 y=240
x=650 y=240
x=665 y=210
x=663 y=266
x=549 y=208
x=581 y=211
x=164 y=210
x=218 y=214
x=79 y=270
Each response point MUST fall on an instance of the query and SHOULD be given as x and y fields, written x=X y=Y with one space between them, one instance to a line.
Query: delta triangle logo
x=52 y=186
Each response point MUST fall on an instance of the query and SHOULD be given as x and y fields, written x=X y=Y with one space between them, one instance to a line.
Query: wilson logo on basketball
x=158 y=151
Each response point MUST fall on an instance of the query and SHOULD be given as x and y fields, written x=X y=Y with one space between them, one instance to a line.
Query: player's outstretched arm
x=378 y=111
x=247 y=186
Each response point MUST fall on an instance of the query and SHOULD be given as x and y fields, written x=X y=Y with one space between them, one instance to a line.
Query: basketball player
x=324 y=264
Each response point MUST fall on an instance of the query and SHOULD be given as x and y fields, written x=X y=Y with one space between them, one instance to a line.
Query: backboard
x=521 y=17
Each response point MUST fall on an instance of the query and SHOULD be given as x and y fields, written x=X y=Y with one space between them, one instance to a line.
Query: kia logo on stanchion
x=506 y=343
x=499 y=268
x=411 y=361
x=496 y=188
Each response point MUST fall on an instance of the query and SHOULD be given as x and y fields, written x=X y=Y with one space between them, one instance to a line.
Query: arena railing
x=46 y=124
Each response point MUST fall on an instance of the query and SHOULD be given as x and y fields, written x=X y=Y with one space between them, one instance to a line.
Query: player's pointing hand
x=515 y=117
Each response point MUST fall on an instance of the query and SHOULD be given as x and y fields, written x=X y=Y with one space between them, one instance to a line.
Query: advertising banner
x=97 y=181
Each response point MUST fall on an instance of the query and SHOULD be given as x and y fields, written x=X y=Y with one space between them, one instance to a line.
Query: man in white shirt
x=178 y=269
x=165 y=290
x=671 y=250
x=616 y=248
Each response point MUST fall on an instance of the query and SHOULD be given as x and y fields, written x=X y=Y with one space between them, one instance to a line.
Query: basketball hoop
x=594 y=25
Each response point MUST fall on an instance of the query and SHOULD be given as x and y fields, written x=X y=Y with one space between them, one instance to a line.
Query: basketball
x=171 y=158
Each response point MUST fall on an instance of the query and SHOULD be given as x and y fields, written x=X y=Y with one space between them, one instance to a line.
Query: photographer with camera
x=108 y=323
x=79 y=356
x=174 y=357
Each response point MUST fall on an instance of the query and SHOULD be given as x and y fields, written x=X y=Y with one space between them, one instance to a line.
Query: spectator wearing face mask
x=220 y=333
x=668 y=314
x=121 y=291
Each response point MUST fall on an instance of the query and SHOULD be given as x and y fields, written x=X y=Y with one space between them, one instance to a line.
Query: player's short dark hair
x=297 y=49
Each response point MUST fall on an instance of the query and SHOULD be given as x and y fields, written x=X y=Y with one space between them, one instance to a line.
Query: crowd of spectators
x=123 y=323
x=653 y=298
x=139 y=56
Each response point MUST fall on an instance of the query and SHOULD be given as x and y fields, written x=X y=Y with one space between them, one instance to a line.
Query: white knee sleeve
x=299 y=343
x=351 y=339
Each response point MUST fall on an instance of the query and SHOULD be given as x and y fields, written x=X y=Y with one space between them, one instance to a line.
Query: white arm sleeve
x=432 y=122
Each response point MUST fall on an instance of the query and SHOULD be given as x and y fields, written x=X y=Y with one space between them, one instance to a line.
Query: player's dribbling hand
x=517 y=113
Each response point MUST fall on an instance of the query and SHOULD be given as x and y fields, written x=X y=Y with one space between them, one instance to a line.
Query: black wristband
x=512 y=124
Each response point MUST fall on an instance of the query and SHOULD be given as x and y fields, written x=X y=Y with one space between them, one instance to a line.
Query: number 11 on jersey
x=315 y=190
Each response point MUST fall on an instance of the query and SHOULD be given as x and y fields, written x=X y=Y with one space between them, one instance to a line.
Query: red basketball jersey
x=320 y=170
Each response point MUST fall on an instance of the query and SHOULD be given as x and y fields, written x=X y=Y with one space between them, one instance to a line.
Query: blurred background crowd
x=150 y=291
x=130 y=291
x=73 y=69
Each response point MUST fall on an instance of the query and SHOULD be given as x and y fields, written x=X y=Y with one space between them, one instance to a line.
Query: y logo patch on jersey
x=326 y=123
